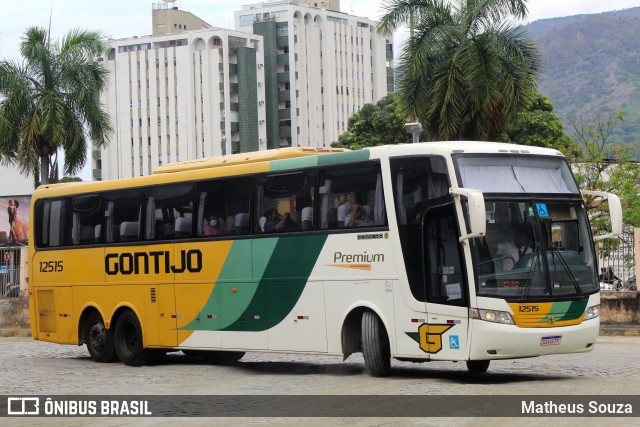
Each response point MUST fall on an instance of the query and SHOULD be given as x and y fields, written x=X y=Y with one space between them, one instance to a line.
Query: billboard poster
x=14 y=220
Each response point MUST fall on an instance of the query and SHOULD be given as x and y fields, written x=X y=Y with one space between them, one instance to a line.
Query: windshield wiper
x=529 y=274
x=565 y=266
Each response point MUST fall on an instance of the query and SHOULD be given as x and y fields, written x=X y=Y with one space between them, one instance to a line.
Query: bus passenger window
x=285 y=202
x=351 y=198
x=168 y=212
x=223 y=207
x=124 y=206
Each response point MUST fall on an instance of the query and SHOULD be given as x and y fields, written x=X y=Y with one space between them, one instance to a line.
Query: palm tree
x=51 y=101
x=466 y=70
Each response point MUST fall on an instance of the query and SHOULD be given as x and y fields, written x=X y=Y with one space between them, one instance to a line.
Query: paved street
x=33 y=367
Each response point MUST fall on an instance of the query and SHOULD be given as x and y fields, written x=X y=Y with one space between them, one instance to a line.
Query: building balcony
x=283 y=59
x=284 y=114
x=97 y=174
x=96 y=154
x=284 y=77
x=285 y=131
x=282 y=41
x=234 y=106
x=284 y=95
x=235 y=127
x=233 y=87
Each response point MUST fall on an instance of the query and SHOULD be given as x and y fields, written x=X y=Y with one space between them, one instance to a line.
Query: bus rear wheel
x=375 y=346
x=478 y=366
x=99 y=339
x=128 y=340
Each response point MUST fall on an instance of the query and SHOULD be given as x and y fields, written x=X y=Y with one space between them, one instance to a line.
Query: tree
x=601 y=166
x=465 y=72
x=539 y=126
x=51 y=102
x=375 y=124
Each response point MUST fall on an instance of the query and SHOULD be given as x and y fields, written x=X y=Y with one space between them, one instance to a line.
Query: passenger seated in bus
x=213 y=225
x=357 y=217
x=277 y=223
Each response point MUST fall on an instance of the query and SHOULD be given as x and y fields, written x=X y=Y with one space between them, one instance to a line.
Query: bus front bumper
x=498 y=341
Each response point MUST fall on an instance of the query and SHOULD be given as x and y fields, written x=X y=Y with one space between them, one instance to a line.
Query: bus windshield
x=535 y=249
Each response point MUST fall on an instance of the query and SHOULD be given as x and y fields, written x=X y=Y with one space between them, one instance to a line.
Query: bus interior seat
x=231 y=223
x=295 y=217
x=129 y=231
x=97 y=233
x=343 y=210
x=261 y=222
x=242 y=223
x=183 y=227
x=332 y=218
x=307 y=218
x=87 y=234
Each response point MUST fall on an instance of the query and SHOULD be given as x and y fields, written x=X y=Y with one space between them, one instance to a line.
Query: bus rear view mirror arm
x=477 y=214
x=615 y=213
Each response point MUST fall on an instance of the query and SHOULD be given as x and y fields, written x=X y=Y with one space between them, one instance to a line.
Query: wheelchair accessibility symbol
x=542 y=209
x=454 y=342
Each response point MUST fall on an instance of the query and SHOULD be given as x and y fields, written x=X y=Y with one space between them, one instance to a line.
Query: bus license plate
x=550 y=340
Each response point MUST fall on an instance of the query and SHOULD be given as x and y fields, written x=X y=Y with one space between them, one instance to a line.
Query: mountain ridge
x=591 y=66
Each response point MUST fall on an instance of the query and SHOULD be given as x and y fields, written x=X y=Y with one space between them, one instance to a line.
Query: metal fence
x=10 y=272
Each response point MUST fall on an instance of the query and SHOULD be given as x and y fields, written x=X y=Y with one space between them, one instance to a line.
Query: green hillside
x=591 y=65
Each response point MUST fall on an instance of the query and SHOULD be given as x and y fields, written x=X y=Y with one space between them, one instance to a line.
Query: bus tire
x=221 y=357
x=99 y=339
x=375 y=346
x=478 y=366
x=128 y=340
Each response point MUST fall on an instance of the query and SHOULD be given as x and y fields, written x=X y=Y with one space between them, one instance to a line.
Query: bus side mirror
x=615 y=213
x=477 y=214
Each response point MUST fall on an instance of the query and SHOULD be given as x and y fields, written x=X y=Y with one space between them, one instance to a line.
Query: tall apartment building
x=183 y=95
x=291 y=74
x=321 y=66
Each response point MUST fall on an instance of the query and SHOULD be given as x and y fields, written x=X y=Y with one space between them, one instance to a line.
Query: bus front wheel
x=99 y=339
x=478 y=366
x=128 y=340
x=375 y=345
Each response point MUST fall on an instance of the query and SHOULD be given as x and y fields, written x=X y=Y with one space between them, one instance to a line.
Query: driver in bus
x=520 y=244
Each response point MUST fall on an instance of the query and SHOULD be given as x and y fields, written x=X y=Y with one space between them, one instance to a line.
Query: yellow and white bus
x=459 y=251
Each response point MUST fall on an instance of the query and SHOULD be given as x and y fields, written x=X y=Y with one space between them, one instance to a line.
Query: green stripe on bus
x=282 y=283
x=237 y=272
x=295 y=163
x=346 y=157
x=566 y=310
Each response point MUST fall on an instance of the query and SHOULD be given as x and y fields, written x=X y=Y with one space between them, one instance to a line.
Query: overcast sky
x=126 y=18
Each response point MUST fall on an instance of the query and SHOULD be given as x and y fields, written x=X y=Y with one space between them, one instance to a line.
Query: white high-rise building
x=291 y=74
x=182 y=95
x=321 y=67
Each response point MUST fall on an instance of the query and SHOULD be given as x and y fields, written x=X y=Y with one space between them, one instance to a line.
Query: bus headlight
x=491 y=316
x=592 y=312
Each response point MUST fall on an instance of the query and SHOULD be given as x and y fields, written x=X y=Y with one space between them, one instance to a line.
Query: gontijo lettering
x=154 y=262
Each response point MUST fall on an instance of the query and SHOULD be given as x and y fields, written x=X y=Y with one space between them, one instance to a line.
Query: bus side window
x=169 y=211
x=86 y=219
x=123 y=206
x=291 y=196
x=50 y=223
x=351 y=197
x=223 y=207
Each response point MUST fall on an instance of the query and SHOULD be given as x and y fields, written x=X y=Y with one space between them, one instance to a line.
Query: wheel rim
x=97 y=337
x=130 y=337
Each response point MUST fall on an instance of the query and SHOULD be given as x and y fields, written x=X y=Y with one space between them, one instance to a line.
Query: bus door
x=444 y=335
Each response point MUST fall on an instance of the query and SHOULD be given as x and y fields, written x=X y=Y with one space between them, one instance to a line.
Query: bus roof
x=244 y=158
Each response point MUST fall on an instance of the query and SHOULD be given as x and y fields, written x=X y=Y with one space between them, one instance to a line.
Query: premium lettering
x=155 y=262
x=357 y=258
